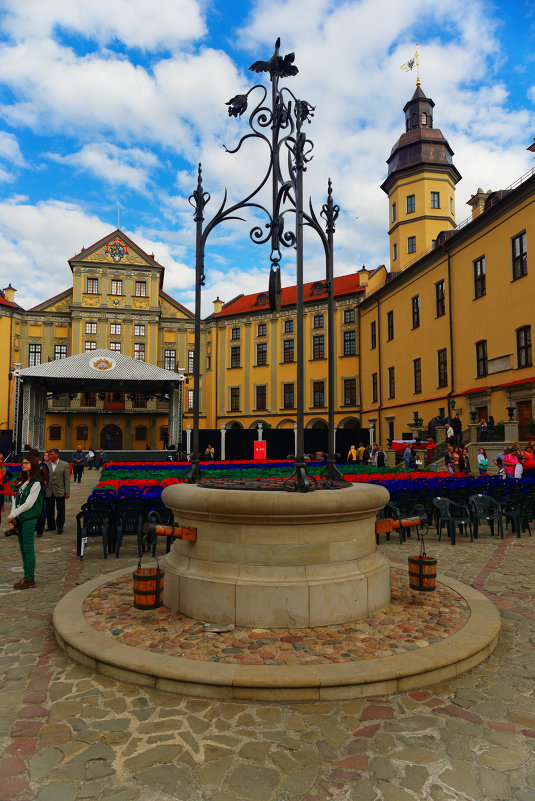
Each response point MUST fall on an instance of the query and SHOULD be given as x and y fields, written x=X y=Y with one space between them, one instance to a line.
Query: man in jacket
x=78 y=463
x=57 y=491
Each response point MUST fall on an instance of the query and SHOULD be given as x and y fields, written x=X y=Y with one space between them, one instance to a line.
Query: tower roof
x=421 y=146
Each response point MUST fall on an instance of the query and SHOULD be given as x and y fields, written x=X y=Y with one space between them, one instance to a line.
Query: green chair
x=452 y=515
x=487 y=509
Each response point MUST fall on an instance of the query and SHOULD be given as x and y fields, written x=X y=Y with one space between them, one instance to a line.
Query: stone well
x=275 y=559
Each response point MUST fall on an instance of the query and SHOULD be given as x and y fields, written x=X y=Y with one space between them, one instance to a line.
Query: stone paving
x=68 y=734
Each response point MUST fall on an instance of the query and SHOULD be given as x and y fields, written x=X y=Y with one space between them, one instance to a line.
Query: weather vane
x=412 y=63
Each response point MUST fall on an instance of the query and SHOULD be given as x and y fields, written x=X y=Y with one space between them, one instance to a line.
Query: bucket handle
x=157 y=563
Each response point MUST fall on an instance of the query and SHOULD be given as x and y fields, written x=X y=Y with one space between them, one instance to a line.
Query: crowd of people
x=366 y=455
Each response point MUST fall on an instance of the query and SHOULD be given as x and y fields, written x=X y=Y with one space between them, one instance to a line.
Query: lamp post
x=280 y=126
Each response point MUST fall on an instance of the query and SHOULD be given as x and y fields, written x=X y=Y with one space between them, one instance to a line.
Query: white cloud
x=113 y=164
x=147 y=24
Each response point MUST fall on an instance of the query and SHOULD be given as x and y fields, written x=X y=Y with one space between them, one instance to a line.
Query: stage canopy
x=97 y=371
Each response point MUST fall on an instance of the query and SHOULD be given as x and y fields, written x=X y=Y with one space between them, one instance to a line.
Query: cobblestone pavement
x=68 y=734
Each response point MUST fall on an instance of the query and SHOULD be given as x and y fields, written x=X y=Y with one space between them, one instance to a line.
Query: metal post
x=223 y=433
x=188 y=440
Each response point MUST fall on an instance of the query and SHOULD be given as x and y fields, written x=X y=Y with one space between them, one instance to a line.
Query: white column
x=260 y=432
x=188 y=440
x=295 y=439
x=372 y=431
x=223 y=432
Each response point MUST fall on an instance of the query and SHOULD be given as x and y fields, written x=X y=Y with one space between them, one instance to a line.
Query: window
x=317 y=288
x=451 y=205
x=391 y=382
x=520 y=256
x=89 y=345
x=89 y=398
x=141 y=289
x=435 y=200
x=139 y=401
x=115 y=346
x=442 y=364
x=34 y=355
x=440 y=299
x=391 y=435
x=288 y=350
x=140 y=433
x=139 y=351
x=61 y=400
x=480 y=281
x=390 y=325
x=234 y=399
x=261 y=398
x=92 y=286
x=234 y=333
x=393 y=216
x=374 y=387
x=191 y=361
x=262 y=329
x=208 y=362
x=169 y=359
x=81 y=432
x=349 y=315
x=417 y=372
x=54 y=432
x=91 y=328
x=350 y=391
x=261 y=353
x=288 y=396
x=116 y=286
x=411 y=244
x=318 y=394
x=481 y=358
x=411 y=204
x=115 y=329
x=350 y=344
x=190 y=400
x=415 y=305
x=523 y=346
x=288 y=326
x=235 y=356
x=424 y=121
x=318 y=321
x=394 y=251
x=60 y=351
x=139 y=330
x=373 y=334
x=318 y=346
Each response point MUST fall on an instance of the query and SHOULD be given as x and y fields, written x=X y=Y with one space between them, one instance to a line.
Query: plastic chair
x=517 y=511
x=94 y=523
x=484 y=507
x=453 y=515
x=129 y=520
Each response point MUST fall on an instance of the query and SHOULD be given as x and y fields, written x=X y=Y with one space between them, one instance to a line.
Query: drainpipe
x=380 y=373
x=452 y=382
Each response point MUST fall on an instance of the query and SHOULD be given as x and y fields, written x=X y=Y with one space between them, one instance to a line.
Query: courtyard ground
x=68 y=734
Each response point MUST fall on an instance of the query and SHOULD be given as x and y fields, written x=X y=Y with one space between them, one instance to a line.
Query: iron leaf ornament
x=237 y=105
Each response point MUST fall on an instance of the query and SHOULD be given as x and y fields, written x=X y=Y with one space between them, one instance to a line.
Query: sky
x=108 y=106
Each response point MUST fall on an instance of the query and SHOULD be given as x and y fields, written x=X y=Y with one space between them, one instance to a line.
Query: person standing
x=25 y=509
x=78 y=462
x=43 y=472
x=101 y=456
x=352 y=454
x=482 y=462
x=457 y=426
x=5 y=477
x=91 y=457
x=360 y=453
x=57 y=491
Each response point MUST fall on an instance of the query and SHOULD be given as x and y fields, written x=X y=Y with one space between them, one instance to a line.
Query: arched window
x=262 y=299
x=424 y=118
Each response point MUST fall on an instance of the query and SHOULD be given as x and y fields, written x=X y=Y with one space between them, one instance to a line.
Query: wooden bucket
x=148 y=587
x=422 y=573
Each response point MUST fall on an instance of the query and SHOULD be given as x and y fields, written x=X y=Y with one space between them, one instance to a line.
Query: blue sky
x=107 y=106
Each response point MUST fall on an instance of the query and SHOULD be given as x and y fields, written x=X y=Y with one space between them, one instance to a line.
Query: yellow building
x=451 y=329
x=250 y=358
x=116 y=303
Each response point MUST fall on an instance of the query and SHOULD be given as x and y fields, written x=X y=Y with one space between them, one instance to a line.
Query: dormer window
x=262 y=299
x=317 y=288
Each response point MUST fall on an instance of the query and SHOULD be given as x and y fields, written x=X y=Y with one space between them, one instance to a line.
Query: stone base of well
x=277 y=559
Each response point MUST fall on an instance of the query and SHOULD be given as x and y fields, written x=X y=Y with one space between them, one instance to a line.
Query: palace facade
x=447 y=328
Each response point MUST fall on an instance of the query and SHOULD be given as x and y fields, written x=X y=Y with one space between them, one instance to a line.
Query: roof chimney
x=363 y=275
x=9 y=293
x=218 y=305
x=477 y=202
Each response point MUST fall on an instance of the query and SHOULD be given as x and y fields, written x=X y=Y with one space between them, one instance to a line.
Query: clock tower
x=420 y=184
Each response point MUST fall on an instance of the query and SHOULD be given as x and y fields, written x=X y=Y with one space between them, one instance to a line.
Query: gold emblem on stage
x=102 y=364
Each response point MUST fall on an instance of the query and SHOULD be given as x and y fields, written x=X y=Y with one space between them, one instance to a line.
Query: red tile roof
x=4 y=302
x=343 y=285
